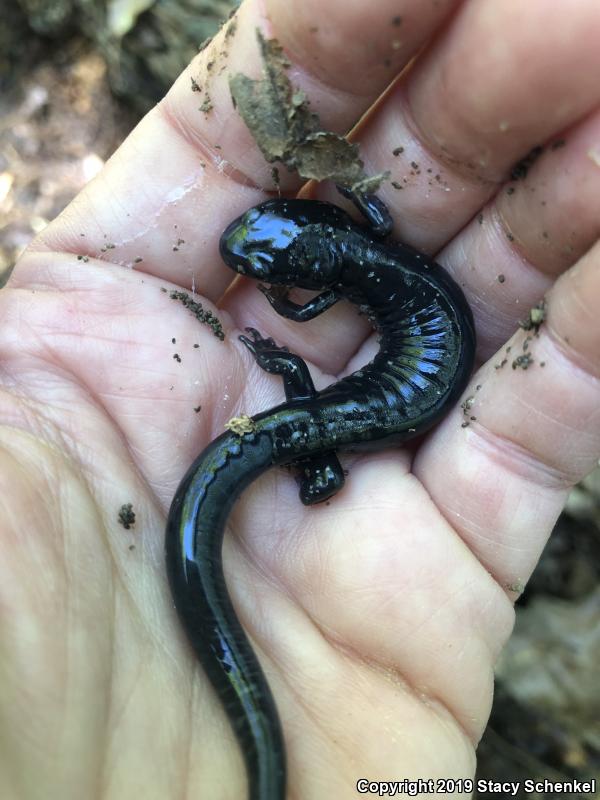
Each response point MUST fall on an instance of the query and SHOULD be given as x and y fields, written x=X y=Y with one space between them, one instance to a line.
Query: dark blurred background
x=75 y=77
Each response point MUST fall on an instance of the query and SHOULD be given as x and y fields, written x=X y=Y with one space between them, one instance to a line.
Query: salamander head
x=288 y=242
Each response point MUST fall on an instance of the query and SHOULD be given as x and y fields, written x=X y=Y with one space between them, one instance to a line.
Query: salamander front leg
x=278 y=298
x=372 y=208
x=320 y=476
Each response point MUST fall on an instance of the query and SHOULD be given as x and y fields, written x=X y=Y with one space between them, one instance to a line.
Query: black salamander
x=425 y=357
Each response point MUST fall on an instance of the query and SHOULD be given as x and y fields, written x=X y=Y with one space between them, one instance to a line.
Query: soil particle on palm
x=535 y=317
x=202 y=315
x=126 y=516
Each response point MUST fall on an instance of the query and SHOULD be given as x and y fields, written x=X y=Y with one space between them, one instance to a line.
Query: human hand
x=378 y=617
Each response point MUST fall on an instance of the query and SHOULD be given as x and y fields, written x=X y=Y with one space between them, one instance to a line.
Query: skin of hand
x=378 y=617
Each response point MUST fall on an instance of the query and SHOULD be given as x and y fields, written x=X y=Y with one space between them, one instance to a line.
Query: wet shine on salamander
x=425 y=358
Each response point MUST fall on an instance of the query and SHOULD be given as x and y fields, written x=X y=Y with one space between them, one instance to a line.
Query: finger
x=191 y=165
x=501 y=79
x=535 y=433
x=531 y=231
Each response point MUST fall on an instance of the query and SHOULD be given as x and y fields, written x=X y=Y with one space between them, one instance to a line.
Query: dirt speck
x=126 y=516
x=202 y=315
x=522 y=167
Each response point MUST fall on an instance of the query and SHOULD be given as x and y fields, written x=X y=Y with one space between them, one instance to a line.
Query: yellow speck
x=241 y=425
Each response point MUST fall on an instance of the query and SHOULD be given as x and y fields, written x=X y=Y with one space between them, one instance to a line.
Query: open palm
x=377 y=617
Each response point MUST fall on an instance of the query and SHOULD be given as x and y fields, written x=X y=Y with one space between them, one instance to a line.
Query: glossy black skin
x=424 y=361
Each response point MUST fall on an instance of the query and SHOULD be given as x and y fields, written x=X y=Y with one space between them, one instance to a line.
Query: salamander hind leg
x=274 y=358
x=320 y=477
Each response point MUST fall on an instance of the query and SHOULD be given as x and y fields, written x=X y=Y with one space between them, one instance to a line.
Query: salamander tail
x=193 y=547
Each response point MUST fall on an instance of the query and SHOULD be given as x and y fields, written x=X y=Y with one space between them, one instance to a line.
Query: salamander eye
x=251 y=216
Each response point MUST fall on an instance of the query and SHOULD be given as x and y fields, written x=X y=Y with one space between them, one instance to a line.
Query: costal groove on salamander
x=423 y=363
